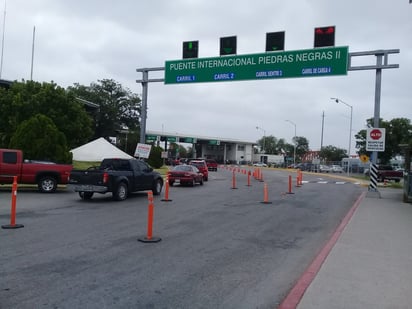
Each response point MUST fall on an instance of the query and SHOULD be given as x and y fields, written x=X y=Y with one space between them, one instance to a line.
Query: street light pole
x=294 y=147
x=337 y=100
x=264 y=135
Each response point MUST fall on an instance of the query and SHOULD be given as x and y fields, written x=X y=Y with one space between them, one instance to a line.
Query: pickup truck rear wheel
x=47 y=184
x=157 y=187
x=85 y=195
x=120 y=194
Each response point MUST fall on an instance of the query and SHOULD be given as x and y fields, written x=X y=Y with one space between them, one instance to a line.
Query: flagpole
x=32 y=53
x=2 y=40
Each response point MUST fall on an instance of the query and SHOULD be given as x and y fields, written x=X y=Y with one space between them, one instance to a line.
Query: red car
x=202 y=166
x=185 y=174
x=211 y=165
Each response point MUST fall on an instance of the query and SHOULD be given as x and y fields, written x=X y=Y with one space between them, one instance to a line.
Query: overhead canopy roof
x=97 y=150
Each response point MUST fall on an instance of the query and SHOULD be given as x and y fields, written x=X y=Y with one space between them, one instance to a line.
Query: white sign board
x=142 y=150
x=375 y=139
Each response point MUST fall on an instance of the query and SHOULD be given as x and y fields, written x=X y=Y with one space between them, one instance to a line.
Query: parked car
x=202 y=167
x=185 y=175
x=211 y=165
x=260 y=164
x=387 y=172
x=337 y=169
x=325 y=168
x=47 y=175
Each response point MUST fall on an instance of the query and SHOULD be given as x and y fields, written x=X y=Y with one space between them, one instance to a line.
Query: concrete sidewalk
x=370 y=265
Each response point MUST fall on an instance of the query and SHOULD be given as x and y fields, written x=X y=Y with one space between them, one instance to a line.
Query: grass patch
x=84 y=165
x=163 y=170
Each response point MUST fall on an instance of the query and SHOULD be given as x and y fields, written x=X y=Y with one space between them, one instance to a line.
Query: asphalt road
x=221 y=247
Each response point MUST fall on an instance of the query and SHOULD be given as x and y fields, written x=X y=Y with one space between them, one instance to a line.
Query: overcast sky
x=89 y=40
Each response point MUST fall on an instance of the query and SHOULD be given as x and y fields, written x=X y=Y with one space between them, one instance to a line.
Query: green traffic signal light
x=228 y=45
x=275 y=41
x=190 y=49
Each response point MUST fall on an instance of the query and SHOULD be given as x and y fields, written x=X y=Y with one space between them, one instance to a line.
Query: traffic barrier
x=261 y=176
x=248 y=178
x=233 y=180
x=265 y=195
x=149 y=237
x=297 y=180
x=166 y=198
x=13 y=224
x=290 y=185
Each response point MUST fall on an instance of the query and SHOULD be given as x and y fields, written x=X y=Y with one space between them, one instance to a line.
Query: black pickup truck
x=119 y=176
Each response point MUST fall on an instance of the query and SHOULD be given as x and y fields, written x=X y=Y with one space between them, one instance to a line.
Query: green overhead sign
x=151 y=138
x=191 y=140
x=326 y=61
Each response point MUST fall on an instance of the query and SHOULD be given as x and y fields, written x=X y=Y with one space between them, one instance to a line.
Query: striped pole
x=373 y=185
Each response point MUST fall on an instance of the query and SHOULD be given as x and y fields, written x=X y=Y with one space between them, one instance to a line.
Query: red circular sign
x=376 y=134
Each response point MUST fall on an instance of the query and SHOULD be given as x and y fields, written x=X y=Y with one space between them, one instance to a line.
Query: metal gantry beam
x=381 y=63
x=145 y=81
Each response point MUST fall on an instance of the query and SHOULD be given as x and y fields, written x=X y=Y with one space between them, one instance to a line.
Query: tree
x=40 y=139
x=331 y=153
x=25 y=99
x=281 y=146
x=268 y=144
x=302 y=146
x=182 y=151
x=155 y=158
x=272 y=145
x=118 y=107
x=398 y=131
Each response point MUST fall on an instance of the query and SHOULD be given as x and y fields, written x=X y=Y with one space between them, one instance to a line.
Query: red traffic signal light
x=190 y=49
x=324 y=36
x=228 y=45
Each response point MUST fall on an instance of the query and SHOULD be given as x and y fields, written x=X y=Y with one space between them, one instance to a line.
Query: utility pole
x=321 y=135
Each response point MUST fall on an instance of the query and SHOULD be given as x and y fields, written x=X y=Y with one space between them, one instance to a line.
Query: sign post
x=142 y=150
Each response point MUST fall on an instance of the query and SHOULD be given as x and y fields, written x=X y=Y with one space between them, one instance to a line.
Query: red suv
x=202 y=167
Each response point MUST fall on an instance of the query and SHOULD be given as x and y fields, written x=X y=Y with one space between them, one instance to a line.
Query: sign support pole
x=376 y=116
x=381 y=63
x=144 y=81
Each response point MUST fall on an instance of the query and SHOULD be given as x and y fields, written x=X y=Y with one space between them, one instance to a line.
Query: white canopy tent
x=97 y=150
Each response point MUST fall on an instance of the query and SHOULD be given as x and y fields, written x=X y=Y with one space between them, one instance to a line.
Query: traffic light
x=228 y=45
x=324 y=36
x=275 y=41
x=190 y=49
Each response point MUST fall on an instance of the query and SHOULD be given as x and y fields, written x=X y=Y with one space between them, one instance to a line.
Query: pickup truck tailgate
x=88 y=181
